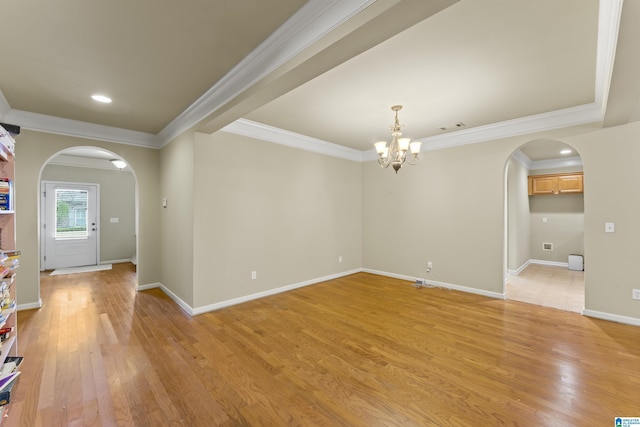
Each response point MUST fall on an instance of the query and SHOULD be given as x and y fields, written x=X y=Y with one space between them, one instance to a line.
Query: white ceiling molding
x=313 y=21
x=56 y=125
x=567 y=162
x=541 y=122
x=283 y=137
x=580 y=115
x=609 y=16
x=522 y=158
x=85 y=162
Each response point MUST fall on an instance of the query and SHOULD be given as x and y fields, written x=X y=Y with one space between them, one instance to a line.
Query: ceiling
x=324 y=72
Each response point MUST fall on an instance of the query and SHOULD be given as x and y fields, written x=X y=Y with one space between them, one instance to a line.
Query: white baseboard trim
x=30 y=306
x=115 y=261
x=520 y=269
x=181 y=303
x=148 y=286
x=228 y=303
x=612 y=317
x=239 y=300
x=437 y=284
x=393 y=275
x=551 y=263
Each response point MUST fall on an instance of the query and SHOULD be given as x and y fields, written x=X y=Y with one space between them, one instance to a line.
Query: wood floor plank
x=360 y=350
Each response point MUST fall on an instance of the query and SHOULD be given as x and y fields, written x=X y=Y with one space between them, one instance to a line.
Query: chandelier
x=395 y=153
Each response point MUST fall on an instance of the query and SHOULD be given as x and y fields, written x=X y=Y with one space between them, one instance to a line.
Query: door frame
x=43 y=216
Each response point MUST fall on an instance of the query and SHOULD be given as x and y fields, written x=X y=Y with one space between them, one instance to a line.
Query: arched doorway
x=115 y=224
x=544 y=231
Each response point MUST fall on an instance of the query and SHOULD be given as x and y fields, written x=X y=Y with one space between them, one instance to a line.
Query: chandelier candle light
x=396 y=152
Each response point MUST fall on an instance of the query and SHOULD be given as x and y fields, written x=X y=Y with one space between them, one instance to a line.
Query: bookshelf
x=9 y=262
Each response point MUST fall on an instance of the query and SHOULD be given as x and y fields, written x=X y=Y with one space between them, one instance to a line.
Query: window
x=71 y=214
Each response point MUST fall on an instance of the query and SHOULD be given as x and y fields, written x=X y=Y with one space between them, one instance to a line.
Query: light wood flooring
x=362 y=350
x=549 y=286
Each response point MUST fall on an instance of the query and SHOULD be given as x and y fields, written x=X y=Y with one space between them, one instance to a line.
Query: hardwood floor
x=362 y=350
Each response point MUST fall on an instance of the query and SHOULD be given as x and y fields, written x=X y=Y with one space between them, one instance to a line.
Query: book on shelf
x=5 y=394
x=10 y=263
x=10 y=365
x=5 y=194
x=4 y=382
x=10 y=253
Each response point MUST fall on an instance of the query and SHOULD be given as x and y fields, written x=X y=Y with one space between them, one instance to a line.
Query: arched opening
x=544 y=226
x=79 y=172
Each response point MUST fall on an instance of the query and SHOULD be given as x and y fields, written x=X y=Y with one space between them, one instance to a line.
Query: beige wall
x=288 y=214
x=610 y=158
x=519 y=251
x=565 y=221
x=564 y=226
x=449 y=209
x=285 y=213
x=33 y=151
x=117 y=200
x=177 y=160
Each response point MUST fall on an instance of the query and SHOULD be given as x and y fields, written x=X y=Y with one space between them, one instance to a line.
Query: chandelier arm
x=384 y=163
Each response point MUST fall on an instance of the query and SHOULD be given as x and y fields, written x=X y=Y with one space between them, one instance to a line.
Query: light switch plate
x=609 y=227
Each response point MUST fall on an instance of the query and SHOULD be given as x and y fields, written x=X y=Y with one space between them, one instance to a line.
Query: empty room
x=320 y=213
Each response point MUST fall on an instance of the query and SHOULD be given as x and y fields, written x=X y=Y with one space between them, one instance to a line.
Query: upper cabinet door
x=570 y=184
x=543 y=185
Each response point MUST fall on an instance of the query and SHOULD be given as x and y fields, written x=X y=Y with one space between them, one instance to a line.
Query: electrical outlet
x=253 y=275
x=340 y=258
x=429 y=265
x=635 y=293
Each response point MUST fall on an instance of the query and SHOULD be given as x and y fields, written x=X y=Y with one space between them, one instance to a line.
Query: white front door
x=70 y=225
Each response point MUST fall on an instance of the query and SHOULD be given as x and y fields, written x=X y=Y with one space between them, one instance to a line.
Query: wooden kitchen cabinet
x=563 y=183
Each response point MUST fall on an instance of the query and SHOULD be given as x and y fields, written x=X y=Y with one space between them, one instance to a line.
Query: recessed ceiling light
x=120 y=164
x=565 y=151
x=101 y=98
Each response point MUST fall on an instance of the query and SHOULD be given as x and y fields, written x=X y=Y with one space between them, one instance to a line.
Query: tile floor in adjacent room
x=549 y=286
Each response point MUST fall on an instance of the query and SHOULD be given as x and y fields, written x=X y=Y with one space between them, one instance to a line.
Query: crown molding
x=291 y=139
x=609 y=16
x=522 y=158
x=314 y=20
x=56 y=125
x=580 y=115
x=567 y=162
x=85 y=162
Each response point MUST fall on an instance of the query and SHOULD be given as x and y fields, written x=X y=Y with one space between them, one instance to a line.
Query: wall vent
x=547 y=246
